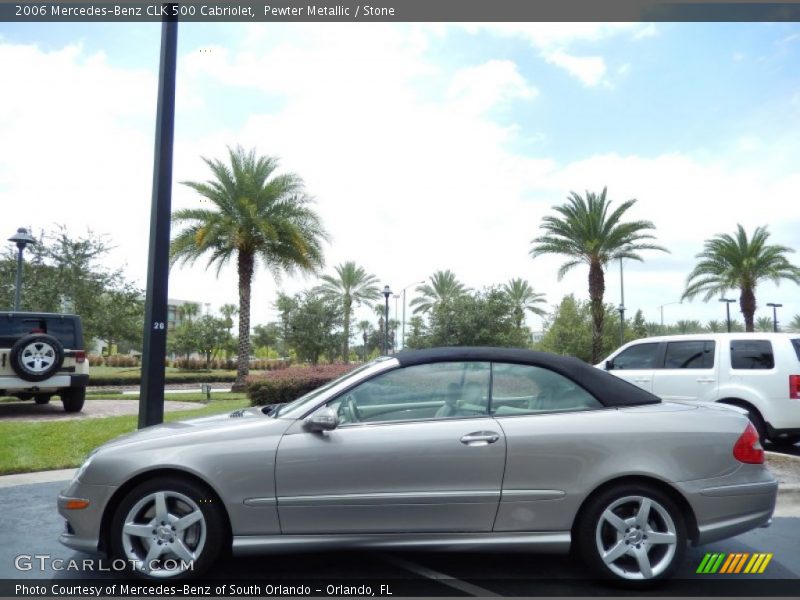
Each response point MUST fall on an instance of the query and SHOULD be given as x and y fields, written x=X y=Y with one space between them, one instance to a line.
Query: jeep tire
x=37 y=357
x=73 y=399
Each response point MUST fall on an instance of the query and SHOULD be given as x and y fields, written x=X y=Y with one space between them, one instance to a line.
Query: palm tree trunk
x=245 y=265
x=597 y=288
x=347 y=306
x=747 y=304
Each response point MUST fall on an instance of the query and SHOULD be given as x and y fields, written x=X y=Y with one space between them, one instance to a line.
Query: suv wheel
x=37 y=357
x=73 y=399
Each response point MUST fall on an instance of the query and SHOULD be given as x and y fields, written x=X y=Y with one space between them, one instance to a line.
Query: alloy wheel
x=636 y=538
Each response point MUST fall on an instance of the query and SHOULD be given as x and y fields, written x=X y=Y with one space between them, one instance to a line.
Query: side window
x=751 y=354
x=796 y=345
x=523 y=389
x=640 y=356
x=447 y=390
x=689 y=355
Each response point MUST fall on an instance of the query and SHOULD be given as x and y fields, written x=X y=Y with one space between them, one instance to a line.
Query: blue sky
x=427 y=146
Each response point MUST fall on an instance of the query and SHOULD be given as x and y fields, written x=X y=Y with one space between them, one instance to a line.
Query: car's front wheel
x=632 y=533
x=168 y=529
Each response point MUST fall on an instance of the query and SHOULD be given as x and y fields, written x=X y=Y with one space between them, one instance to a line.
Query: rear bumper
x=12 y=385
x=724 y=511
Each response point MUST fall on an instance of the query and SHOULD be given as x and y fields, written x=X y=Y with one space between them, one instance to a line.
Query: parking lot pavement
x=30 y=411
x=30 y=526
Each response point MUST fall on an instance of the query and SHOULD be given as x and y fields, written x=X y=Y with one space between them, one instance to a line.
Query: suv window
x=796 y=346
x=697 y=354
x=752 y=354
x=523 y=389
x=14 y=327
x=640 y=356
x=434 y=391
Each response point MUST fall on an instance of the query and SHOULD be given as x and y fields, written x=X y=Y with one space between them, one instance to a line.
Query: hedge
x=285 y=385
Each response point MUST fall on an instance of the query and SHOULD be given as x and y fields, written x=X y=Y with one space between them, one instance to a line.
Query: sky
x=426 y=146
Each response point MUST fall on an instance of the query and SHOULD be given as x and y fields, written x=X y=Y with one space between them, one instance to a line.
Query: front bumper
x=82 y=530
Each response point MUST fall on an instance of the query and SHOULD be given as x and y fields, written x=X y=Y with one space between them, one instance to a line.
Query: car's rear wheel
x=168 y=529
x=42 y=398
x=73 y=399
x=632 y=533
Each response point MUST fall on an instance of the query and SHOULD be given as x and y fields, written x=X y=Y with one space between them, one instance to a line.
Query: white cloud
x=589 y=69
x=480 y=88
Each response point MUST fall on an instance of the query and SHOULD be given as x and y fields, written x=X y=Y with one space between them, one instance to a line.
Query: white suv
x=759 y=372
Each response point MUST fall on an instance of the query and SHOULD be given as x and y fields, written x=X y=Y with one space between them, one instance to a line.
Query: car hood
x=214 y=424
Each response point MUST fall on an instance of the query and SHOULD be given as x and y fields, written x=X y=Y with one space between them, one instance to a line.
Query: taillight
x=80 y=356
x=794 y=387
x=747 y=448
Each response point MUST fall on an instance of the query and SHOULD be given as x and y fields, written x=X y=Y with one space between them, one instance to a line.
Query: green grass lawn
x=46 y=445
x=122 y=375
x=182 y=397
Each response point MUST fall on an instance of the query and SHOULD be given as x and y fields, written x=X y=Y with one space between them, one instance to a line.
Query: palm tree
x=763 y=324
x=715 y=326
x=729 y=262
x=690 y=326
x=256 y=215
x=523 y=298
x=443 y=286
x=228 y=311
x=352 y=284
x=365 y=327
x=188 y=311
x=794 y=325
x=586 y=233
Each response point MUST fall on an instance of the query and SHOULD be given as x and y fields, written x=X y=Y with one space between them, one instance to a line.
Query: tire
x=42 y=398
x=758 y=423
x=73 y=399
x=152 y=544
x=789 y=440
x=36 y=357
x=613 y=525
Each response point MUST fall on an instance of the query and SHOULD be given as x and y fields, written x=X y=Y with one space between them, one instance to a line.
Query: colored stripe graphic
x=722 y=562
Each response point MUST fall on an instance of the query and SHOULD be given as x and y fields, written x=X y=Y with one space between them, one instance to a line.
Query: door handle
x=480 y=438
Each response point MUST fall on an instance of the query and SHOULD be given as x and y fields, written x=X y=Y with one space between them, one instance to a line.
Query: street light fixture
x=22 y=239
x=727 y=302
x=386 y=293
x=661 y=308
x=775 y=308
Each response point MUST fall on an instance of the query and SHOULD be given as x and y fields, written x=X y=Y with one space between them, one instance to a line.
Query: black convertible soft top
x=610 y=390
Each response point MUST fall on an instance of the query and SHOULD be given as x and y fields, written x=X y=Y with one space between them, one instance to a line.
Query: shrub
x=287 y=384
x=120 y=360
x=95 y=360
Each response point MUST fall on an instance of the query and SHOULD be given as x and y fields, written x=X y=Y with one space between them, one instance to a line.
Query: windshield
x=320 y=390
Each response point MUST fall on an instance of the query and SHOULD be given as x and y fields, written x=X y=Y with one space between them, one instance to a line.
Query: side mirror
x=324 y=419
x=609 y=365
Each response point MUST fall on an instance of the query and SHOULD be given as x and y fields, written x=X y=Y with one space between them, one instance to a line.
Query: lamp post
x=621 y=310
x=403 y=343
x=22 y=239
x=396 y=321
x=365 y=338
x=661 y=308
x=386 y=293
x=727 y=302
x=775 y=308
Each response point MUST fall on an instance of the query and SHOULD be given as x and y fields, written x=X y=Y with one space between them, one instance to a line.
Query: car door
x=636 y=364
x=689 y=371
x=556 y=435
x=415 y=451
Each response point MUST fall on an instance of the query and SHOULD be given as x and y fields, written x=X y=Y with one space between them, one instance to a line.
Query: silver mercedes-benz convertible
x=447 y=448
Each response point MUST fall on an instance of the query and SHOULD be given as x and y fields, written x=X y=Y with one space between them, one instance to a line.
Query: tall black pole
x=18 y=289
x=154 y=352
x=728 y=314
x=386 y=328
